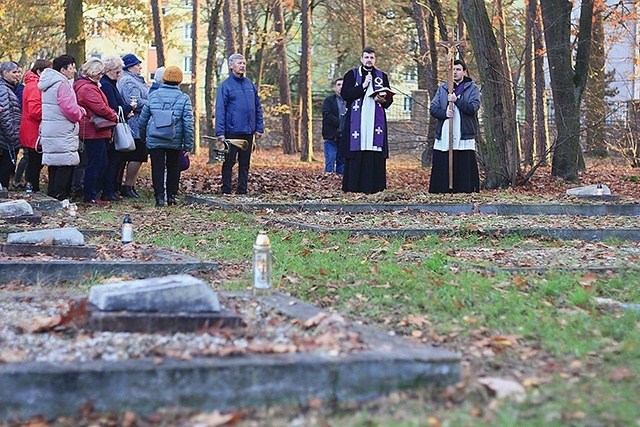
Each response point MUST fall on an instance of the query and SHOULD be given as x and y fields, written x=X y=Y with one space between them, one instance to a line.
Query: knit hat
x=157 y=77
x=172 y=74
x=130 y=60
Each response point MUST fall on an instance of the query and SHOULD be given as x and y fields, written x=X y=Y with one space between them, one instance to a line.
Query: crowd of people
x=66 y=123
x=58 y=122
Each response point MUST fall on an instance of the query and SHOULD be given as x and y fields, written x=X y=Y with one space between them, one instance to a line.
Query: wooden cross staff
x=451 y=47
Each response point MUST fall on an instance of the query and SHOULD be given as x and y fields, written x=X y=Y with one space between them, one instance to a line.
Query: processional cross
x=451 y=47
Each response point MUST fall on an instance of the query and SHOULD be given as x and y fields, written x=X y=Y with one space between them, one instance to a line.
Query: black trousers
x=7 y=165
x=60 y=178
x=33 y=169
x=243 y=158
x=162 y=158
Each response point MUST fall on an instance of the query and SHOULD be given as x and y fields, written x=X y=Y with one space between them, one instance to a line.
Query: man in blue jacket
x=238 y=116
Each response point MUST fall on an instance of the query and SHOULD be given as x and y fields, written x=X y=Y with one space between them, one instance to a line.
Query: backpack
x=162 y=124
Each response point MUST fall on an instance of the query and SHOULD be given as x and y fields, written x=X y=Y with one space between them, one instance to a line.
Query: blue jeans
x=332 y=163
x=96 y=150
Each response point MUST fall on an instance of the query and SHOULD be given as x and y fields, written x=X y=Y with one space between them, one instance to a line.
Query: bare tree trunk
x=158 y=31
x=195 y=93
x=528 y=130
x=74 y=30
x=210 y=77
x=541 y=125
x=306 y=136
x=261 y=50
x=595 y=92
x=241 y=25
x=229 y=36
x=567 y=84
x=363 y=22
x=501 y=161
x=288 y=137
x=425 y=71
x=432 y=85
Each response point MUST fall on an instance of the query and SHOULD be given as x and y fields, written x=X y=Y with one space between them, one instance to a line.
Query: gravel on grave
x=265 y=332
x=408 y=219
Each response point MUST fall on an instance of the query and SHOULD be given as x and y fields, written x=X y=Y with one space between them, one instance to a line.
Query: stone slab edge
x=496 y=209
x=54 y=389
x=70 y=270
x=588 y=235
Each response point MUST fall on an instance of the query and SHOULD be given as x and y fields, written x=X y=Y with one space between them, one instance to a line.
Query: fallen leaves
x=503 y=388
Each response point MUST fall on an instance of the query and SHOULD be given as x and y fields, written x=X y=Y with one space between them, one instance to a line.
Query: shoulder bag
x=122 y=136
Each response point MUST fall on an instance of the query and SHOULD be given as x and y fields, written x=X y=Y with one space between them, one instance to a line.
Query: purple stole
x=356 y=110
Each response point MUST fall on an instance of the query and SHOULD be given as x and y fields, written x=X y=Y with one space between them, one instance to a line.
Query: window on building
x=407 y=104
x=96 y=55
x=97 y=28
x=186 y=66
x=299 y=50
x=187 y=31
x=411 y=75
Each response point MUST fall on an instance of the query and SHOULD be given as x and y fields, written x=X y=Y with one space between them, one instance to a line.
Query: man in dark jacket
x=465 y=103
x=238 y=116
x=333 y=110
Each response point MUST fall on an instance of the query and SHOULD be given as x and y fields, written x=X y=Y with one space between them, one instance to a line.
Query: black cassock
x=364 y=171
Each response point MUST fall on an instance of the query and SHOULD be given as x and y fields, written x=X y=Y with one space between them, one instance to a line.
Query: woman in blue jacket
x=165 y=151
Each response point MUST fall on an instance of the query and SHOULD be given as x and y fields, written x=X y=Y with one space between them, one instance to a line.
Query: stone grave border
x=456 y=209
x=166 y=263
x=588 y=235
x=144 y=385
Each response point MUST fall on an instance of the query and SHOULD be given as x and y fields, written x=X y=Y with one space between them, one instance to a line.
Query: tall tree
x=427 y=80
x=567 y=83
x=528 y=127
x=74 y=30
x=241 y=27
x=158 y=31
x=500 y=150
x=213 y=9
x=541 y=125
x=229 y=36
x=306 y=135
x=288 y=137
x=195 y=53
x=595 y=102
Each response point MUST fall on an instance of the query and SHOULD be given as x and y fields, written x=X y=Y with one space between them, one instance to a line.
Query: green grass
x=383 y=280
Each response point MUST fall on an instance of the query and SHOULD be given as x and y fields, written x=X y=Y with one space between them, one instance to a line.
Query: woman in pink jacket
x=95 y=140
x=31 y=118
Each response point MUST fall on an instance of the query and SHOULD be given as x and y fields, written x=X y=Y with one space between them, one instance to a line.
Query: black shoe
x=112 y=198
x=160 y=201
x=135 y=192
x=128 y=192
x=171 y=200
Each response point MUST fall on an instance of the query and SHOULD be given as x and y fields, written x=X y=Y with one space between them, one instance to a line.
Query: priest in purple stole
x=364 y=143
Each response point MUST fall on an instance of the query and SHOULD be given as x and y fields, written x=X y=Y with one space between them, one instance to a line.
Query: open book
x=385 y=91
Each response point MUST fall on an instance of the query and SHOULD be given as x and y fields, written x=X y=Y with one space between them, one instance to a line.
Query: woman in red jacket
x=95 y=140
x=31 y=118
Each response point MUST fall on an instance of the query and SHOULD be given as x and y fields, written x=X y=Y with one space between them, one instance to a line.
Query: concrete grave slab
x=144 y=385
x=590 y=190
x=59 y=236
x=157 y=262
x=588 y=235
x=454 y=209
x=177 y=293
x=76 y=251
x=15 y=208
x=153 y=322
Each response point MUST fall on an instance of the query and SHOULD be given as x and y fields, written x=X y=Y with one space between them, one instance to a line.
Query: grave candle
x=262 y=265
